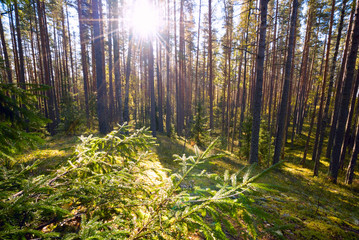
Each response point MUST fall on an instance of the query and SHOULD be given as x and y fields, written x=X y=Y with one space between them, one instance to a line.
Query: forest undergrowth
x=300 y=206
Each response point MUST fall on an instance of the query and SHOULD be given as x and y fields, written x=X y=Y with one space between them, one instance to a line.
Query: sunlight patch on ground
x=295 y=169
x=42 y=154
x=325 y=163
x=155 y=172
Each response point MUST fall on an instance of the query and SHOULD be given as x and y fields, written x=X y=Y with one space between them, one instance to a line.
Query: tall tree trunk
x=151 y=82
x=237 y=102
x=6 y=55
x=66 y=71
x=331 y=80
x=73 y=76
x=253 y=157
x=19 y=45
x=349 y=122
x=230 y=39
x=111 y=108
x=244 y=92
x=102 y=111
x=126 y=115
x=182 y=66
x=159 y=87
x=303 y=81
x=46 y=67
x=343 y=113
x=317 y=144
x=14 y=46
x=116 y=58
x=168 y=85
x=210 y=60
x=176 y=64
x=339 y=87
x=285 y=91
x=197 y=55
x=273 y=74
x=310 y=128
x=83 y=41
x=350 y=171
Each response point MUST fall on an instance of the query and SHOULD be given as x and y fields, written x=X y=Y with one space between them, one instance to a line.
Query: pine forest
x=179 y=119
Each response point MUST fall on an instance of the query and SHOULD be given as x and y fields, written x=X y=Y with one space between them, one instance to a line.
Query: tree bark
x=339 y=87
x=152 y=87
x=343 y=112
x=285 y=91
x=102 y=111
x=126 y=115
x=350 y=171
x=6 y=55
x=210 y=63
x=317 y=146
x=159 y=87
x=84 y=60
x=116 y=59
x=168 y=84
x=19 y=45
x=253 y=157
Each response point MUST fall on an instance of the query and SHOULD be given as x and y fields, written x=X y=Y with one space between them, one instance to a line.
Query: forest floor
x=305 y=207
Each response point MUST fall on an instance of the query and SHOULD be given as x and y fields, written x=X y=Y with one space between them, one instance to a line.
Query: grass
x=304 y=207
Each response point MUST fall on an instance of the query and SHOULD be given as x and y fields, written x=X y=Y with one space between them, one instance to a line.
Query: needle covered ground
x=299 y=206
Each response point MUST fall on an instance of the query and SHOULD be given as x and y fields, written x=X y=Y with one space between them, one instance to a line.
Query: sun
x=145 y=20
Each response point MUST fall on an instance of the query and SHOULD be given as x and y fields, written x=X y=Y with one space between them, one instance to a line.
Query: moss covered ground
x=302 y=207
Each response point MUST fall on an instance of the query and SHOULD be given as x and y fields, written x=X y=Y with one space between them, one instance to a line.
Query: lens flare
x=145 y=20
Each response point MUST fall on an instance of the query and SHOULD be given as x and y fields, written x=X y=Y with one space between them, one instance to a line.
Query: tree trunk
x=310 y=128
x=318 y=143
x=285 y=92
x=102 y=112
x=253 y=157
x=84 y=60
x=6 y=55
x=159 y=87
x=168 y=85
x=350 y=171
x=197 y=95
x=339 y=87
x=19 y=45
x=126 y=115
x=51 y=100
x=116 y=59
x=343 y=112
x=182 y=66
x=244 y=92
x=152 y=87
x=110 y=65
x=349 y=122
x=210 y=59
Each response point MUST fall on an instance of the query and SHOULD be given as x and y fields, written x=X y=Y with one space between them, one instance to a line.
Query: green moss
x=304 y=207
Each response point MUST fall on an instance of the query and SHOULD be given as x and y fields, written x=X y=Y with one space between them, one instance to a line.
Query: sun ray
x=145 y=19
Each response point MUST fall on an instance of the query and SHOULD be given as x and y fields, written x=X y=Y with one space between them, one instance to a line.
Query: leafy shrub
x=113 y=188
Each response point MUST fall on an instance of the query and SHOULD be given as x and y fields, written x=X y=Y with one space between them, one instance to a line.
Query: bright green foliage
x=114 y=188
x=21 y=125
